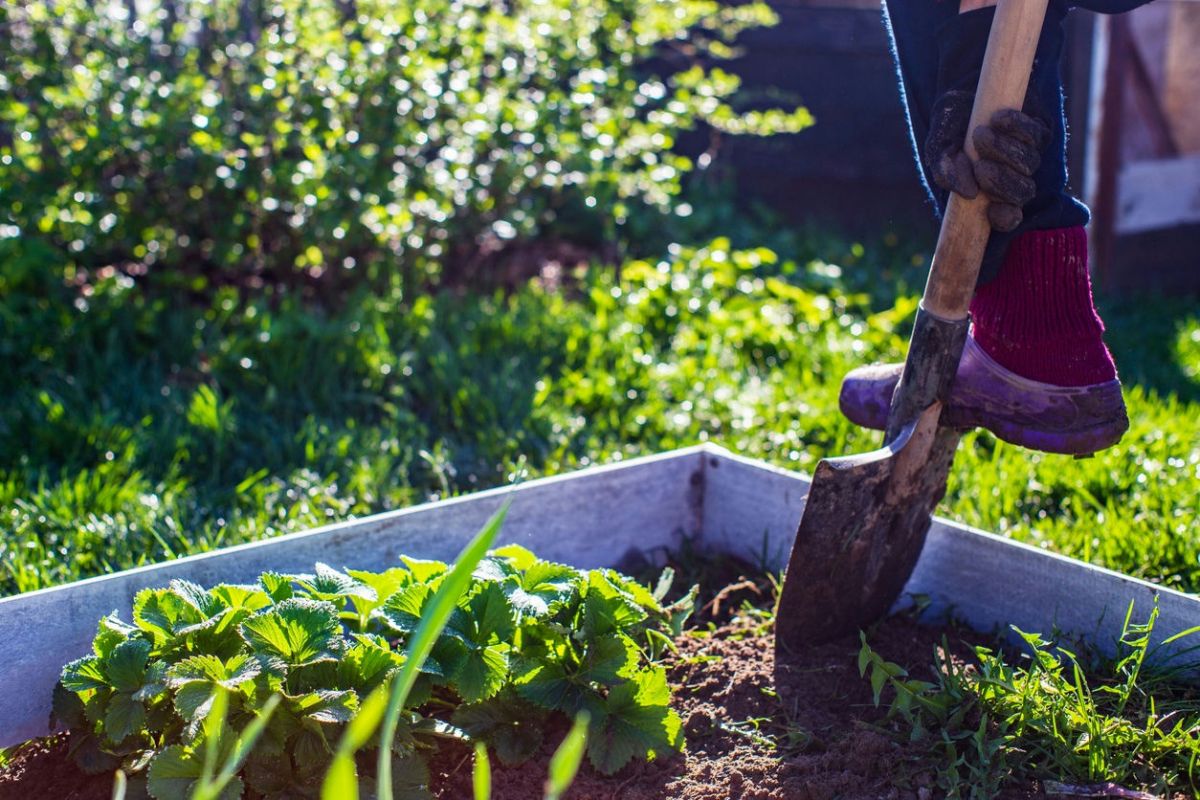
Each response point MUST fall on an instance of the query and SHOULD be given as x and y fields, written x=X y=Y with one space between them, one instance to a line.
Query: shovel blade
x=863 y=527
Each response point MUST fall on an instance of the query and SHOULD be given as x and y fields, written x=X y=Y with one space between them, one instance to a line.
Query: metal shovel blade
x=863 y=527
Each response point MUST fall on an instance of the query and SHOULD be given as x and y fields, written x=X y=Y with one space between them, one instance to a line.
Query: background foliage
x=341 y=141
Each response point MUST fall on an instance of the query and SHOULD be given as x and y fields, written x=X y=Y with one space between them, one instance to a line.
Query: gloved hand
x=1010 y=146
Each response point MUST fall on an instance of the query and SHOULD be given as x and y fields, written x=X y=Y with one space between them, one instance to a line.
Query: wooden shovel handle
x=1011 y=45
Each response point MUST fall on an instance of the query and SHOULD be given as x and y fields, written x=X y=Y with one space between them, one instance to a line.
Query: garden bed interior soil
x=820 y=741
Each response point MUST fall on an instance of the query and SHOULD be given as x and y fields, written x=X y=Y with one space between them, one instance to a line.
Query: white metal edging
x=984 y=580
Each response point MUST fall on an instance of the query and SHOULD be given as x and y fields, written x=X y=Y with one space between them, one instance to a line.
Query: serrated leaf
x=296 y=631
x=154 y=684
x=110 y=632
x=277 y=587
x=123 y=717
x=194 y=700
x=606 y=609
x=543 y=588
x=90 y=757
x=198 y=679
x=547 y=685
x=385 y=584
x=401 y=613
x=66 y=709
x=196 y=596
x=637 y=721
x=126 y=665
x=482 y=673
x=238 y=603
x=330 y=584
x=424 y=570
x=163 y=614
x=487 y=618
x=326 y=706
x=367 y=663
x=520 y=557
x=638 y=594
x=513 y=728
x=175 y=772
x=84 y=674
x=493 y=570
x=610 y=659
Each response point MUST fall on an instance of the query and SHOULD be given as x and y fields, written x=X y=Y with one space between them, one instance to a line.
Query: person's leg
x=1035 y=371
x=1037 y=318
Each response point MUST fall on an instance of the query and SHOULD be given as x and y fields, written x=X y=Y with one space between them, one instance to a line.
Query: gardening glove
x=1009 y=146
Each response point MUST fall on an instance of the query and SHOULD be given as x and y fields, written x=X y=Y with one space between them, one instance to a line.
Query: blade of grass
x=566 y=759
x=430 y=627
x=119 y=784
x=211 y=790
x=481 y=777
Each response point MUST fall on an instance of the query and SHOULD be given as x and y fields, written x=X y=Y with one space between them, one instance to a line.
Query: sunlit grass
x=142 y=430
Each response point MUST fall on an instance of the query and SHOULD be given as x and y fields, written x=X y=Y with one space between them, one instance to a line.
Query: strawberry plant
x=527 y=639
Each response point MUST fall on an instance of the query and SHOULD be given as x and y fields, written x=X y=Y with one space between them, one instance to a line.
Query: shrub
x=236 y=140
x=528 y=639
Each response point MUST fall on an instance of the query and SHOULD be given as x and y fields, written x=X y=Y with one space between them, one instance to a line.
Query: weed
x=1128 y=720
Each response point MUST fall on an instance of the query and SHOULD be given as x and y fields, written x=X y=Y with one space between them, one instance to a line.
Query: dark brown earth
x=806 y=732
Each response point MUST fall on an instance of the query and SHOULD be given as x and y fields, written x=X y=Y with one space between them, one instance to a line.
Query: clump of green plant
x=526 y=639
x=1131 y=720
x=285 y=140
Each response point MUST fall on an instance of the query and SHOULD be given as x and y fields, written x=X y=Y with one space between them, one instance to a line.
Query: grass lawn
x=137 y=428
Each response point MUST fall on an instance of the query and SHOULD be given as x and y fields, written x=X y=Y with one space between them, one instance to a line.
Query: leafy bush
x=528 y=639
x=228 y=140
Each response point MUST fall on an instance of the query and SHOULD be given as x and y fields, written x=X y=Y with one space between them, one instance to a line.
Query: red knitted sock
x=1037 y=318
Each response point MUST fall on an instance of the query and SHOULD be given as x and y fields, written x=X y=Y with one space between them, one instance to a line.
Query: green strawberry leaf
x=610 y=659
x=493 y=570
x=481 y=673
x=326 y=706
x=519 y=557
x=296 y=631
x=84 y=674
x=277 y=587
x=422 y=570
x=606 y=609
x=637 y=721
x=197 y=597
x=163 y=614
x=66 y=709
x=124 y=717
x=198 y=679
x=385 y=584
x=111 y=632
x=636 y=592
x=367 y=663
x=401 y=613
x=543 y=588
x=548 y=685
x=514 y=729
x=126 y=665
x=487 y=618
x=329 y=584
x=175 y=771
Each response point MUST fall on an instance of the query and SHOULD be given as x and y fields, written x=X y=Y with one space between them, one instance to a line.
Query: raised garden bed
x=597 y=517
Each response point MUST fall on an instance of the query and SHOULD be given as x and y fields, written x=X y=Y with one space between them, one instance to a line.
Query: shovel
x=866 y=516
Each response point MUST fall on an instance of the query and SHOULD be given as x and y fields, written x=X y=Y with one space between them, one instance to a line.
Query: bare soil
x=806 y=730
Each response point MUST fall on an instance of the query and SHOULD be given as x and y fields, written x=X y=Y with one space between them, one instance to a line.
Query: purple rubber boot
x=1074 y=420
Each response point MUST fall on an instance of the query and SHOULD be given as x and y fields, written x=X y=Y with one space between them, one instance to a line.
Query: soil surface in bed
x=807 y=731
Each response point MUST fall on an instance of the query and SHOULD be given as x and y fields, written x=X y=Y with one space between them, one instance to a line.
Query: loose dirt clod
x=742 y=744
